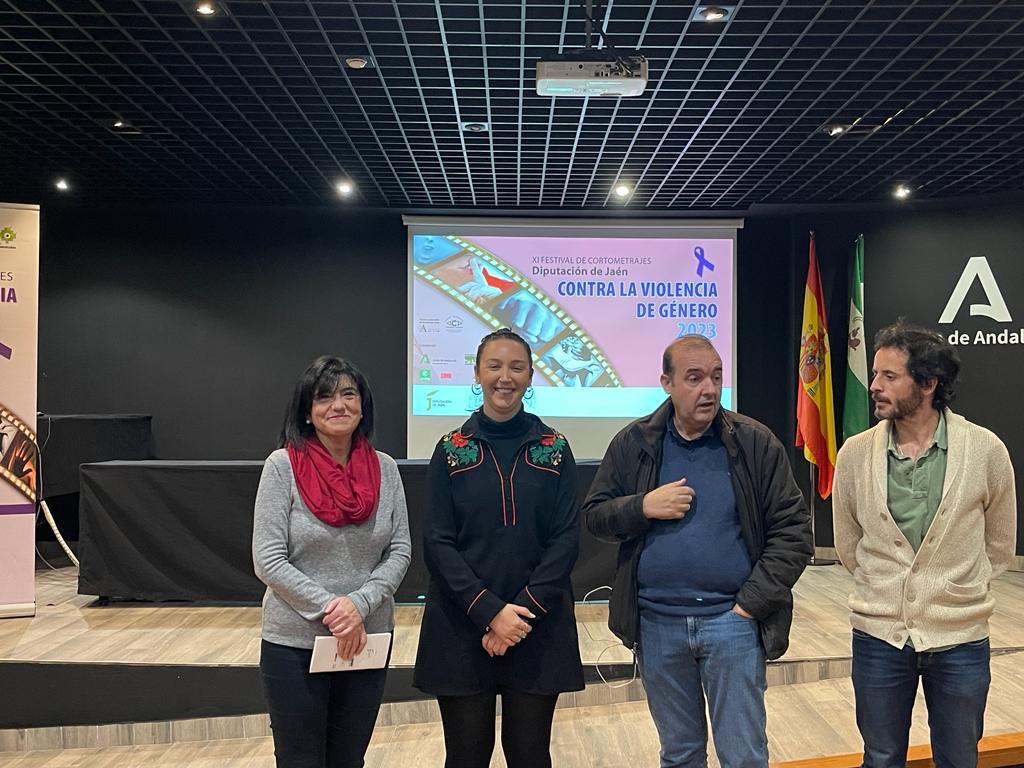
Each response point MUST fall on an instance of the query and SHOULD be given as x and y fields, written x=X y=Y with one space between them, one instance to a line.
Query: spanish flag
x=815 y=414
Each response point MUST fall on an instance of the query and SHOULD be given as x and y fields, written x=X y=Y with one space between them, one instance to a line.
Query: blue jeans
x=682 y=658
x=955 y=682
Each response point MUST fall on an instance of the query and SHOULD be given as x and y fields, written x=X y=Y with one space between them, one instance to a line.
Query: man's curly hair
x=929 y=356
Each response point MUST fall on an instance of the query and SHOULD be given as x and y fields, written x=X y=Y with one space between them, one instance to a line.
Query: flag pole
x=815 y=560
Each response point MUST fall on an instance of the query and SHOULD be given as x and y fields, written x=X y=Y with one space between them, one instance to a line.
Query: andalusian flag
x=856 y=402
x=815 y=414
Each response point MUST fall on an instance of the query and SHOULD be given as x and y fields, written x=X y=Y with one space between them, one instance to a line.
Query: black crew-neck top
x=504 y=437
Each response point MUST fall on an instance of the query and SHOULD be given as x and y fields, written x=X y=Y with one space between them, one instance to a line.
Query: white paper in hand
x=373 y=656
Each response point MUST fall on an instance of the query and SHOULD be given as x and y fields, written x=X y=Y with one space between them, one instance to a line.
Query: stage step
x=59 y=693
x=256 y=725
x=611 y=736
x=1004 y=750
x=54 y=717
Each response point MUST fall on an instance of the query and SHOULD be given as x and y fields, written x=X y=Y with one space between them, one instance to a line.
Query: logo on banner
x=977 y=269
x=702 y=262
x=436 y=403
x=8 y=295
x=19 y=460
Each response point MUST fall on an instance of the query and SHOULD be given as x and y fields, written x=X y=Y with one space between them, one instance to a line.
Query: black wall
x=204 y=317
x=914 y=256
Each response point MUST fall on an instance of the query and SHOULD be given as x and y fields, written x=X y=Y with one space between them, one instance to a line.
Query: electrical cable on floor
x=46 y=562
x=42 y=506
x=597 y=664
x=56 y=532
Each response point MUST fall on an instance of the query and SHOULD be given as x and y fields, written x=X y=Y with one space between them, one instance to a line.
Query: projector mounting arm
x=623 y=62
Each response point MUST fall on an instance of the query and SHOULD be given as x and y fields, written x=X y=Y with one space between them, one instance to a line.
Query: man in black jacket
x=713 y=533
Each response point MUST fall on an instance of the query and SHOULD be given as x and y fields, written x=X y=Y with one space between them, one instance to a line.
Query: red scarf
x=337 y=495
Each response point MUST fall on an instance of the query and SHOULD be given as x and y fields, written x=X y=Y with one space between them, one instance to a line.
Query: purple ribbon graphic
x=702 y=262
x=5 y=351
x=17 y=509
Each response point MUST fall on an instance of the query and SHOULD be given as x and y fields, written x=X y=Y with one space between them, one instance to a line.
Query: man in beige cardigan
x=925 y=517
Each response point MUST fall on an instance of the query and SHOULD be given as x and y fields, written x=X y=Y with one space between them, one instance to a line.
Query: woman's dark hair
x=499 y=335
x=929 y=356
x=320 y=379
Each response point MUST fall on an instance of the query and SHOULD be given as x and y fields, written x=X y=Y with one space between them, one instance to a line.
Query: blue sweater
x=696 y=565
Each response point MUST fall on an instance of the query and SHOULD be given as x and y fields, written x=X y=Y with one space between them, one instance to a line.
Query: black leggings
x=525 y=729
x=318 y=720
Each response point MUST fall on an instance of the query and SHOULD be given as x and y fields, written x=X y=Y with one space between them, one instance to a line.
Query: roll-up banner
x=19 y=455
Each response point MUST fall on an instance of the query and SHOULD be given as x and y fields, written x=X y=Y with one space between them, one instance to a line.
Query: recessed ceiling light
x=62 y=185
x=345 y=188
x=206 y=8
x=902 y=192
x=834 y=129
x=475 y=126
x=125 y=128
x=622 y=190
x=713 y=12
x=359 y=61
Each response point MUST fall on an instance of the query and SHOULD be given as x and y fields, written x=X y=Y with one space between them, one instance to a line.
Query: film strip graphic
x=572 y=328
x=19 y=461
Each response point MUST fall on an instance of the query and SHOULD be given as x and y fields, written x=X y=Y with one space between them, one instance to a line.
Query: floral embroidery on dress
x=547 y=452
x=460 y=451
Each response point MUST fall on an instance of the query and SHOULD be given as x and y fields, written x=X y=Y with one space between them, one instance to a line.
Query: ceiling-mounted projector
x=590 y=72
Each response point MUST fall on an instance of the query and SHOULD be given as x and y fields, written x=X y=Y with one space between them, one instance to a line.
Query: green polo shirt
x=915 y=487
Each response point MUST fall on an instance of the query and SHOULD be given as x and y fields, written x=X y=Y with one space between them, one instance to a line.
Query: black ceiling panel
x=255 y=103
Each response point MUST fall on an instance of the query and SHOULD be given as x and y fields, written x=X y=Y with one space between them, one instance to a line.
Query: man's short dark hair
x=689 y=341
x=929 y=356
x=321 y=379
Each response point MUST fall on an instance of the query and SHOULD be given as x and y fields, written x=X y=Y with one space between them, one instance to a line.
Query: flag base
x=822 y=561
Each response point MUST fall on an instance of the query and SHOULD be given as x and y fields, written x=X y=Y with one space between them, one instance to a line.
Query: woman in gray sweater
x=331 y=542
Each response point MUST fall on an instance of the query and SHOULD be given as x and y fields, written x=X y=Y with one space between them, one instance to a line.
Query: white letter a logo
x=977 y=267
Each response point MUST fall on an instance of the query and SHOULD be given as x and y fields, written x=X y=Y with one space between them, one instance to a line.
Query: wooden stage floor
x=71 y=628
x=805 y=719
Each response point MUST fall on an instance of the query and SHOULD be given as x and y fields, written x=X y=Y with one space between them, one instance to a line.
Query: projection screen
x=597 y=299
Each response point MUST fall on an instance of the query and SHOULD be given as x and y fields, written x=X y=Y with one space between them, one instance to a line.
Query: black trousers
x=525 y=729
x=323 y=720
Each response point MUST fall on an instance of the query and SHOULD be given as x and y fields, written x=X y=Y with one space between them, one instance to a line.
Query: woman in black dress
x=501 y=537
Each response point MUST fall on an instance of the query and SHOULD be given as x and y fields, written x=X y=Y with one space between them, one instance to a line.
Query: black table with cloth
x=70 y=440
x=182 y=530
